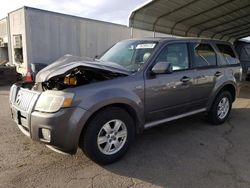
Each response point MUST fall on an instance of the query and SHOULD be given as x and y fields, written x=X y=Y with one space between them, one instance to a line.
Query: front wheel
x=108 y=135
x=221 y=108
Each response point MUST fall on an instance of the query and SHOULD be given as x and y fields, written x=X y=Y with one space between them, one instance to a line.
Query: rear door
x=229 y=61
x=206 y=73
x=167 y=95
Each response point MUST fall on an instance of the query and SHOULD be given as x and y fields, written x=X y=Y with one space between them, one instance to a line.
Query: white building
x=32 y=35
x=4 y=57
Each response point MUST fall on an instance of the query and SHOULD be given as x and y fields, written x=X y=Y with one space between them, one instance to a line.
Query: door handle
x=185 y=79
x=218 y=73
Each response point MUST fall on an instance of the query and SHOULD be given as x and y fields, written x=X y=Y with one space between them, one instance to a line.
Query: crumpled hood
x=68 y=62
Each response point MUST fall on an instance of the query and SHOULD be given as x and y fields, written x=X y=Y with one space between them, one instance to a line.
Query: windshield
x=130 y=54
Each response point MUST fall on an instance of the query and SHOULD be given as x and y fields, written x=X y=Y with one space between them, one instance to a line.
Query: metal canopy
x=225 y=19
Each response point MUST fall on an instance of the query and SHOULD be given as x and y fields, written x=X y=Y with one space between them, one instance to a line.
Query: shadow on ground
x=185 y=153
x=188 y=153
x=4 y=89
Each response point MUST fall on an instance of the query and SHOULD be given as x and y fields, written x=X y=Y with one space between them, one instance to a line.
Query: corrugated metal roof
x=224 y=19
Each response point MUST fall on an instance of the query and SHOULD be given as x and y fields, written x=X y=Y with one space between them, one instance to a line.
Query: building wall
x=137 y=33
x=46 y=36
x=51 y=35
x=17 y=27
x=4 y=36
x=3 y=28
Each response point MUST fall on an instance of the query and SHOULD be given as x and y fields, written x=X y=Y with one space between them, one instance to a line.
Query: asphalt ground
x=186 y=153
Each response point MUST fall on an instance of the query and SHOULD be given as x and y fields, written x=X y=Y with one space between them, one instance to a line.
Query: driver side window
x=176 y=54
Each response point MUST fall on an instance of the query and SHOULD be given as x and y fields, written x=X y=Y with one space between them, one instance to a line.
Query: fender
x=216 y=91
x=114 y=96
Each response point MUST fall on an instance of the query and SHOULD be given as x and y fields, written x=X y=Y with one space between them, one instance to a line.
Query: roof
x=224 y=20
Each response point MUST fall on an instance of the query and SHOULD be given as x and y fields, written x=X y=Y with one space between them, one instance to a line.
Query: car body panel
x=162 y=92
x=151 y=99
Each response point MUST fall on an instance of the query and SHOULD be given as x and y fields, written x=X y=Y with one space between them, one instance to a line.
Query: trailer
x=38 y=37
x=4 y=56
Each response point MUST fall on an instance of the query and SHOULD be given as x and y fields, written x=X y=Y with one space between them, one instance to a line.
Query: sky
x=115 y=11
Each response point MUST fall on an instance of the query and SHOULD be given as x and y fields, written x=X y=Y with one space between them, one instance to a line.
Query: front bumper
x=65 y=125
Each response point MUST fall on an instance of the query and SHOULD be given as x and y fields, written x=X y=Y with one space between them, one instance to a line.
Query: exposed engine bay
x=77 y=77
x=73 y=71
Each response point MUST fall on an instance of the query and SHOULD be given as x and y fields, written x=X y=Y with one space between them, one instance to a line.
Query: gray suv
x=101 y=104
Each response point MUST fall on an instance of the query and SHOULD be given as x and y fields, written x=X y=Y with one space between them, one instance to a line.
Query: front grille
x=22 y=102
x=24 y=99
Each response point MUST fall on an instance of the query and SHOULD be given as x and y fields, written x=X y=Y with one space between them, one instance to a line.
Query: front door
x=168 y=95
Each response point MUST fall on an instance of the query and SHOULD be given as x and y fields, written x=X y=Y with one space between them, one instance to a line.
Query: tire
x=217 y=117
x=115 y=142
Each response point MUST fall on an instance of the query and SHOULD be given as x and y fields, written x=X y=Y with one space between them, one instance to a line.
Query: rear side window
x=227 y=52
x=204 y=55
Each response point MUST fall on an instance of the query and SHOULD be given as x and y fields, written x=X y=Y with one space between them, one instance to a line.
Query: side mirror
x=162 y=68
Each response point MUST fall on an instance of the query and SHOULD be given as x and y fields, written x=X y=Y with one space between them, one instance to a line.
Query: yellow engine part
x=70 y=80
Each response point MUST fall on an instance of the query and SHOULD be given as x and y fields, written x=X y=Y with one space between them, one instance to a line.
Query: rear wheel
x=221 y=108
x=108 y=135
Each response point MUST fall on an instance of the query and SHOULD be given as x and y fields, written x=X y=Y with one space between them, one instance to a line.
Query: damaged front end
x=48 y=94
x=72 y=71
x=78 y=76
x=37 y=107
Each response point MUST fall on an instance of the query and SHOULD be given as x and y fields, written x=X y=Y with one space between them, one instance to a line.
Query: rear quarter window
x=204 y=55
x=228 y=55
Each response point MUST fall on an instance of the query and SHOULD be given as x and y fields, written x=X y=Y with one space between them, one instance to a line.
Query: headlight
x=52 y=101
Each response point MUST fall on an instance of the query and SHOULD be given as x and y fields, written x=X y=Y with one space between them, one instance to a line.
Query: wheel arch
x=230 y=87
x=128 y=108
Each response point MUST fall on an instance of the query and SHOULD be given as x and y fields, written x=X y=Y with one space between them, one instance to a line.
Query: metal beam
x=228 y=38
x=172 y=11
x=149 y=23
x=238 y=37
x=242 y=34
x=203 y=12
x=215 y=18
x=237 y=31
x=229 y=29
x=131 y=18
x=224 y=23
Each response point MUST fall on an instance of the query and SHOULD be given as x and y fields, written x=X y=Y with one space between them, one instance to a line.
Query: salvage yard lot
x=186 y=153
